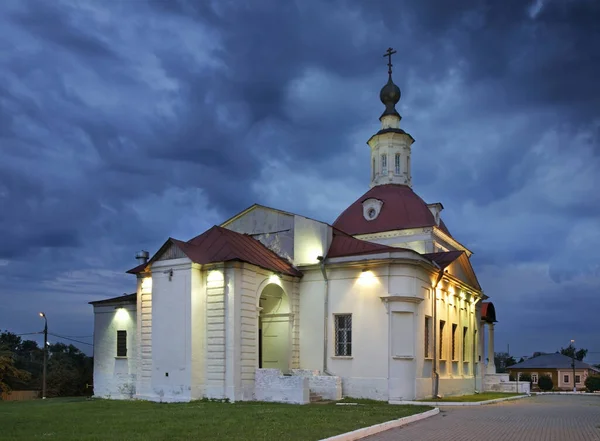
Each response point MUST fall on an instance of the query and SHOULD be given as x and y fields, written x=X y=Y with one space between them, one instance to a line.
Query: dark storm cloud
x=124 y=123
x=56 y=25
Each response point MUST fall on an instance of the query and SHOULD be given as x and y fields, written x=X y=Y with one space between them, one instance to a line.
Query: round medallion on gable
x=372 y=213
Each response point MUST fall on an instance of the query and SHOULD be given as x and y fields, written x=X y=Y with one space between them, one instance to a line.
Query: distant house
x=559 y=367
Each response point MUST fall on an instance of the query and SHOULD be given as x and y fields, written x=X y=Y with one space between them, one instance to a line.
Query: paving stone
x=538 y=418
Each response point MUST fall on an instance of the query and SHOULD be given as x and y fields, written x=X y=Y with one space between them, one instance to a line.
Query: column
x=491 y=366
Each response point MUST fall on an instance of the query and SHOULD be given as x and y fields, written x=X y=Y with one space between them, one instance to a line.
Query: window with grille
x=565 y=379
x=121 y=343
x=577 y=379
x=343 y=335
x=441 y=342
x=454 y=327
x=384 y=164
x=427 y=328
x=464 y=342
x=397 y=164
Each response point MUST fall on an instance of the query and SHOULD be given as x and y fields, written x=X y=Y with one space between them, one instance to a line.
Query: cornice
x=437 y=231
x=407 y=299
x=394 y=233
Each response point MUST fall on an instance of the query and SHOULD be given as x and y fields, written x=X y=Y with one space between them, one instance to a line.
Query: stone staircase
x=315 y=398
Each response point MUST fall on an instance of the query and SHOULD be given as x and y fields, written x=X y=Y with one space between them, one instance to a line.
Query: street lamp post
x=573 y=364
x=45 y=354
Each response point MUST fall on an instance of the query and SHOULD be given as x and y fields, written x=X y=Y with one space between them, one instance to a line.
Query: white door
x=401 y=357
x=276 y=339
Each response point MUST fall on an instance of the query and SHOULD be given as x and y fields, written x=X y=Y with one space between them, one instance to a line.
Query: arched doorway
x=274 y=329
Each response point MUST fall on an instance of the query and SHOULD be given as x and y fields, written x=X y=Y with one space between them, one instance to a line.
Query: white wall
x=311 y=239
x=114 y=377
x=364 y=374
x=171 y=330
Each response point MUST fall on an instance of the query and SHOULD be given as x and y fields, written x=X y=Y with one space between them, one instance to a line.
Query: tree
x=9 y=373
x=545 y=383
x=70 y=371
x=570 y=351
x=592 y=383
x=26 y=356
x=502 y=360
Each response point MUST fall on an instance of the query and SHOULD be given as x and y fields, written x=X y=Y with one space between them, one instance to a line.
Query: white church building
x=275 y=306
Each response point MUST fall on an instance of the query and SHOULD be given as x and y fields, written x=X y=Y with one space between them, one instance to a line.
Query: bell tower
x=390 y=146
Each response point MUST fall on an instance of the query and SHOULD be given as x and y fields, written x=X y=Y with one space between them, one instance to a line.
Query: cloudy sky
x=125 y=122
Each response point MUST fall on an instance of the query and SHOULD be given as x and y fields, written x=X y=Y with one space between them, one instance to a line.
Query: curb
x=585 y=394
x=372 y=430
x=458 y=403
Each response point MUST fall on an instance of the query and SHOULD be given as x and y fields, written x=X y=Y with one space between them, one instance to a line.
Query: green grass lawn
x=81 y=419
x=472 y=398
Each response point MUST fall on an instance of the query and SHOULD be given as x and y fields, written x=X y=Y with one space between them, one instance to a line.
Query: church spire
x=391 y=146
x=390 y=93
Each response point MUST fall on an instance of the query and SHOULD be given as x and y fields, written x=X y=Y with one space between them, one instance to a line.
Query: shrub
x=592 y=383
x=512 y=377
x=525 y=377
x=545 y=383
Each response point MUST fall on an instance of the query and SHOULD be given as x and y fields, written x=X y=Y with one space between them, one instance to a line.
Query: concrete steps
x=315 y=398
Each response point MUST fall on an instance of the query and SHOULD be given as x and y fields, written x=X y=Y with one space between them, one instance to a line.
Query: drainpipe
x=436 y=375
x=321 y=259
x=476 y=345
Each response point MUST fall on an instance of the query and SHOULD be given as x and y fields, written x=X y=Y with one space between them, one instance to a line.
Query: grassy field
x=81 y=419
x=472 y=398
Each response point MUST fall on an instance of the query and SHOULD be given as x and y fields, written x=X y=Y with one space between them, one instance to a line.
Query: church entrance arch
x=274 y=328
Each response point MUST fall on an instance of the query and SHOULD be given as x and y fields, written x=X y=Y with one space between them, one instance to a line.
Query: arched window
x=397 y=164
x=384 y=164
x=373 y=170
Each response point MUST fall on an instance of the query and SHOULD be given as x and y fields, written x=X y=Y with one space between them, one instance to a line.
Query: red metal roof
x=343 y=244
x=402 y=208
x=125 y=298
x=488 y=312
x=222 y=245
x=444 y=258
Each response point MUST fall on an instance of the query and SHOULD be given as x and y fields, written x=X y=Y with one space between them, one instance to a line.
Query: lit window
x=384 y=164
x=343 y=335
x=565 y=378
x=121 y=343
x=397 y=164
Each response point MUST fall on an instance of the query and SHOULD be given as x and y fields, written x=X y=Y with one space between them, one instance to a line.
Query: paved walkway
x=538 y=418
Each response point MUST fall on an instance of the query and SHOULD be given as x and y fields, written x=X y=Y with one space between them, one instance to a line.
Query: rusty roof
x=488 y=312
x=219 y=244
x=342 y=245
x=125 y=298
x=402 y=209
x=444 y=258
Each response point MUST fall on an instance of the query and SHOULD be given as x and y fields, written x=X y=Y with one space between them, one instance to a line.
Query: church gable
x=461 y=269
x=273 y=228
x=457 y=264
x=171 y=252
